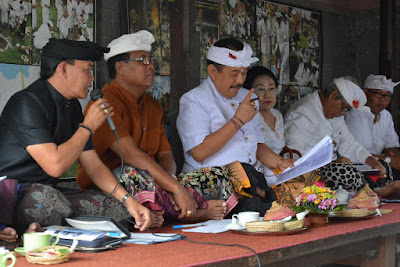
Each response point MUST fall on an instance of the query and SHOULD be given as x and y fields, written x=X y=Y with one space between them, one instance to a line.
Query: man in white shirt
x=319 y=114
x=217 y=122
x=375 y=130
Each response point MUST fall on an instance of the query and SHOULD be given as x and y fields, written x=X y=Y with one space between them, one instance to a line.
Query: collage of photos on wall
x=27 y=25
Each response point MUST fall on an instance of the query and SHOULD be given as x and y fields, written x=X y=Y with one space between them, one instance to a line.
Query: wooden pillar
x=185 y=64
x=387 y=8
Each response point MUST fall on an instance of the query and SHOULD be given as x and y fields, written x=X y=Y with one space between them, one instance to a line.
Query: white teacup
x=246 y=216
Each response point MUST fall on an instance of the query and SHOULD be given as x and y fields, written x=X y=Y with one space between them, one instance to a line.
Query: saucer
x=235 y=226
x=20 y=251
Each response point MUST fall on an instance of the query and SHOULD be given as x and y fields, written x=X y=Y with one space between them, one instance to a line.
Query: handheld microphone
x=95 y=94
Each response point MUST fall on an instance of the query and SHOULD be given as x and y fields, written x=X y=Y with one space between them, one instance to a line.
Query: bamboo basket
x=264 y=226
x=293 y=225
x=48 y=260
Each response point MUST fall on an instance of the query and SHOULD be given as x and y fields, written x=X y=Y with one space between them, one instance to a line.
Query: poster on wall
x=69 y=19
x=26 y=26
x=16 y=31
x=14 y=78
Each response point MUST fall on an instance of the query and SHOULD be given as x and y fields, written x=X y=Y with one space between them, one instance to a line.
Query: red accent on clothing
x=374 y=177
x=232 y=56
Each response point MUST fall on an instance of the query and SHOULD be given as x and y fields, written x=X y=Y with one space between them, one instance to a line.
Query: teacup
x=38 y=240
x=5 y=256
x=246 y=216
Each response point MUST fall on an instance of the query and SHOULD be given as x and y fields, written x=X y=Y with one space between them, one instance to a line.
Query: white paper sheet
x=318 y=156
x=211 y=226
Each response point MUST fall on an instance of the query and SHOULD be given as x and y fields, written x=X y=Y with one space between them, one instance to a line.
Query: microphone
x=95 y=94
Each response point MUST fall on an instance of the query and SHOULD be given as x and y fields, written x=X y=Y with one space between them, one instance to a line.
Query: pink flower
x=320 y=183
x=311 y=198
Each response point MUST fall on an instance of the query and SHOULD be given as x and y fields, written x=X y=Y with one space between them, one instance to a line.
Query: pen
x=251 y=100
x=187 y=225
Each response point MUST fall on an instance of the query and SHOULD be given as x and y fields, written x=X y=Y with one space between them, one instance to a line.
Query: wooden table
x=374 y=240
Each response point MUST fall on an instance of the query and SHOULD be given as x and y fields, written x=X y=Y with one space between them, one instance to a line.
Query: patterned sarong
x=48 y=206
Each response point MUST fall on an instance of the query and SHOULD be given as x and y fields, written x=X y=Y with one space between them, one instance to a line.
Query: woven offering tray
x=49 y=255
x=264 y=226
x=268 y=233
x=293 y=225
x=353 y=214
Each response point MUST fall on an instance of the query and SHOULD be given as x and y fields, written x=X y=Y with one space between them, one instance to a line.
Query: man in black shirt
x=43 y=132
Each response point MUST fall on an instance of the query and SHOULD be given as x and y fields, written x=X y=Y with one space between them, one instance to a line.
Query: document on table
x=147 y=238
x=211 y=227
x=318 y=156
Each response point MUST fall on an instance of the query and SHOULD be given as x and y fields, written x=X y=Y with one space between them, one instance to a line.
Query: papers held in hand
x=316 y=157
x=365 y=168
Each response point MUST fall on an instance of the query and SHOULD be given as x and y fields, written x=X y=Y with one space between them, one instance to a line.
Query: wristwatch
x=123 y=200
x=388 y=160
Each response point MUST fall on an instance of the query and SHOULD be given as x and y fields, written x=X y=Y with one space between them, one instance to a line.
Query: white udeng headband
x=352 y=93
x=228 y=57
x=379 y=82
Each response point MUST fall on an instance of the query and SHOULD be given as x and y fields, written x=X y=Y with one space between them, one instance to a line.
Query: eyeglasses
x=144 y=60
x=345 y=107
x=380 y=96
x=262 y=92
